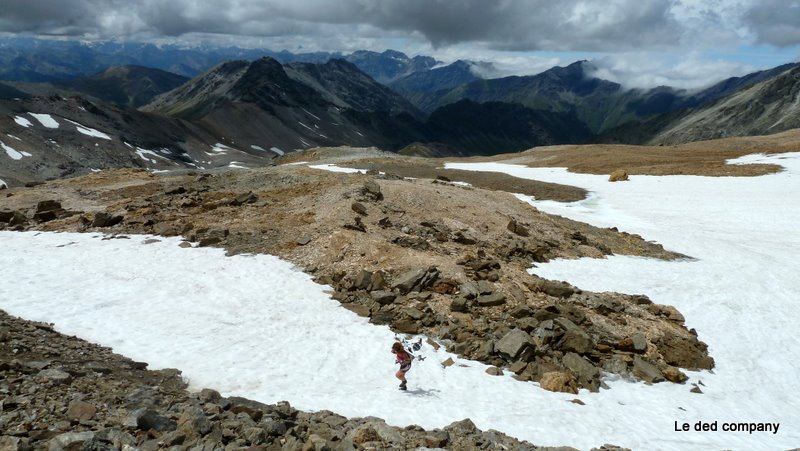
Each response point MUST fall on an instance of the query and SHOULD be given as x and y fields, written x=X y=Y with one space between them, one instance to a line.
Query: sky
x=683 y=43
x=255 y=326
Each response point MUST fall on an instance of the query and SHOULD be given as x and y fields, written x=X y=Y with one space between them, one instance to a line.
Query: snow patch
x=12 y=153
x=334 y=168
x=12 y=136
x=255 y=147
x=277 y=151
x=22 y=121
x=220 y=148
x=89 y=131
x=143 y=153
x=45 y=119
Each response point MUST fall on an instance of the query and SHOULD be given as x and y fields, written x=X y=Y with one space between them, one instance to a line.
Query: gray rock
x=362 y=280
x=494 y=371
x=145 y=418
x=491 y=300
x=583 y=369
x=208 y=395
x=273 y=427
x=373 y=190
x=646 y=370
x=383 y=297
x=8 y=443
x=103 y=219
x=303 y=240
x=194 y=421
x=69 y=440
x=513 y=343
x=255 y=435
x=575 y=340
x=55 y=375
x=409 y=280
x=459 y=304
x=469 y=290
x=485 y=287
x=639 y=342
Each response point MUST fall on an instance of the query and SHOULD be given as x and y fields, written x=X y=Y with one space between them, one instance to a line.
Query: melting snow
x=22 y=121
x=45 y=119
x=13 y=153
x=89 y=131
x=334 y=168
x=220 y=148
x=142 y=152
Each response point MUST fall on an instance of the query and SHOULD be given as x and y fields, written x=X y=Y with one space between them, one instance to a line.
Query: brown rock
x=494 y=371
x=675 y=375
x=559 y=381
x=517 y=228
x=359 y=208
x=620 y=175
x=79 y=410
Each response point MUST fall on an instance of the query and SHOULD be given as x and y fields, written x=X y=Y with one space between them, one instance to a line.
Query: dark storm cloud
x=775 y=22
x=579 y=25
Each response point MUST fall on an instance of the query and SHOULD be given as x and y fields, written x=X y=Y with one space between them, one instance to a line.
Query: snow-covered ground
x=254 y=326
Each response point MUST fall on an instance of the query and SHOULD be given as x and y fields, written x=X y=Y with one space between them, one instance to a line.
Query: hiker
x=402 y=357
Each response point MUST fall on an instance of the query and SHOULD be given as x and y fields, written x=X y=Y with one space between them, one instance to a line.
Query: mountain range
x=260 y=108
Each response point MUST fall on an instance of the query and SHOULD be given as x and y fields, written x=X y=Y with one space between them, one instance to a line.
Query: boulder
x=586 y=373
x=517 y=228
x=359 y=208
x=459 y=304
x=103 y=219
x=79 y=410
x=620 y=175
x=559 y=381
x=48 y=205
x=513 y=343
x=675 y=375
x=372 y=190
x=69 y=441
x=575 y=340
x=646 y=371
x=491 y=300
x=494 y=371
x=415 y=280
x=383 y=297
x=145 y=419
x=55 y=376
x=194 y=422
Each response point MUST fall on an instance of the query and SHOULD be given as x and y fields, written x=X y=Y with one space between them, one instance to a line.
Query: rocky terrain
x=61 y=393
x=422 y=255
x=456 y=272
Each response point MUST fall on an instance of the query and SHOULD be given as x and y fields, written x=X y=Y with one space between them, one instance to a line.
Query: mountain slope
x=53 y=137
x=770 y=106
x=418 y=87
x=131 y=86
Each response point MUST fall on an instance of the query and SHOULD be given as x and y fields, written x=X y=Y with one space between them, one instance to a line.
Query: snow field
x=254 y=326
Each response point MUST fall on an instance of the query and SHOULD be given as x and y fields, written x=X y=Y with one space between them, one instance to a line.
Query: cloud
x=515 y=25
x=639 y=41
x=687 y=71
x=775 y=22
